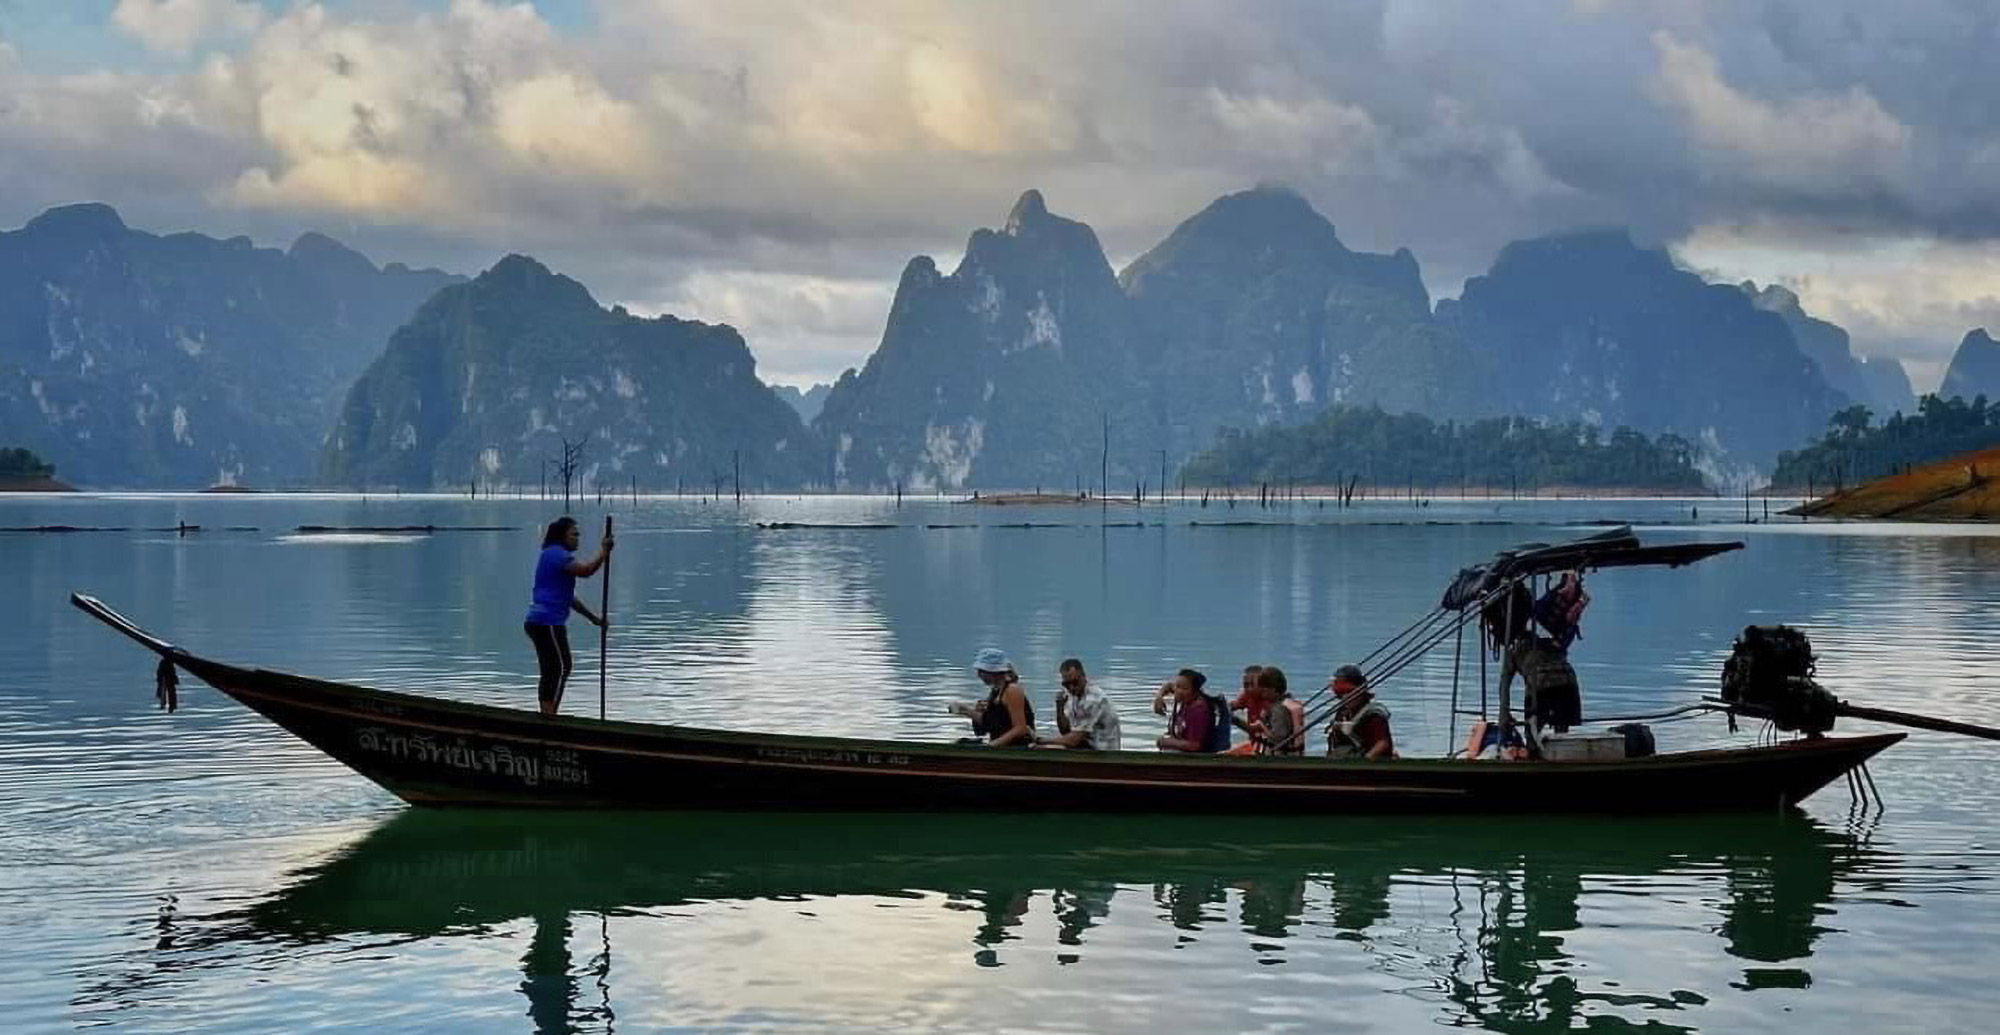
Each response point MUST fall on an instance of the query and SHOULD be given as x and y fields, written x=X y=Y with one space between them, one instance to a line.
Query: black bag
x=1638 y=739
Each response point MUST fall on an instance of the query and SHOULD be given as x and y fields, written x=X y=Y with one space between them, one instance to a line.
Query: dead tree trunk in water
x=1104 y=464
x=572 y=458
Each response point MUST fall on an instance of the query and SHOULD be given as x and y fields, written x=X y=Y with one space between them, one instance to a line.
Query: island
x=23 y=471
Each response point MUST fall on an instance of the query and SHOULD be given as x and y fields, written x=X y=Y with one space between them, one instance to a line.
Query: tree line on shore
x=18 y=464
x=1381 y=448
x=1854 y=449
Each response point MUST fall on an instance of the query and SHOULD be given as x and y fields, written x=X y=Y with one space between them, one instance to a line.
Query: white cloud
x=562 y=120
x=967 y=107
x=1338 y=136
x=176 y=26
x=1826 y=142
x=1454 y=136
x=441 y=120
x=804 y=329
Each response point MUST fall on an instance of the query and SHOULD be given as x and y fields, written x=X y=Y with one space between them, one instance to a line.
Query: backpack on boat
x=1216 y=738
x=1562 y=618
x=1771 y=669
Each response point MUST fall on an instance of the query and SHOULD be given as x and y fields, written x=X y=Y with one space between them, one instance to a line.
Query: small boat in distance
x=432 y=751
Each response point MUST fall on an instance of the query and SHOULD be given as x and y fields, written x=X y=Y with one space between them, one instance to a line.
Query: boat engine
x=1771 y=671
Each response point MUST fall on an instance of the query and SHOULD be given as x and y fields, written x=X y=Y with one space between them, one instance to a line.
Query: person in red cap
x=1360 y=726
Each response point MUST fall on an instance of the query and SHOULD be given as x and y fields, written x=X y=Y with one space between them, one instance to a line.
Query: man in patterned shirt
x=1084 y=716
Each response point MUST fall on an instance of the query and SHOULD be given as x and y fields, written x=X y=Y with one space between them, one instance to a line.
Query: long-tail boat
x=432 y=751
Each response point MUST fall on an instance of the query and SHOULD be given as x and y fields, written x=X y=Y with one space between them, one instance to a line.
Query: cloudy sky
x=774 y=164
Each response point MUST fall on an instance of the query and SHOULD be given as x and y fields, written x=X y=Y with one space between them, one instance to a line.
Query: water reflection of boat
x=427 y=750
x=1500 y=959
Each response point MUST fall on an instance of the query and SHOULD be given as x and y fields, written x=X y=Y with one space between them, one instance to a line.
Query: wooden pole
x=604 y=615
x=1104 y=464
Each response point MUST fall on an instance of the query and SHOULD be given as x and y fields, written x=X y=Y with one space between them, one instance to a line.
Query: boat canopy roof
x=1612 y=548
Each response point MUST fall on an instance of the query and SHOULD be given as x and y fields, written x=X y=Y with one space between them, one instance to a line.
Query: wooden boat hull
x=435 y=752
x=431 y=751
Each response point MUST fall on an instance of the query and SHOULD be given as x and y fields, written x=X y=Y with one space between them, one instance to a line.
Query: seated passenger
x=1247 y=711
x=1282 y=731
x=1360 y=726
x=1084 y=716
x=1005 y=718
x=1196 y=723
x=1249 y=704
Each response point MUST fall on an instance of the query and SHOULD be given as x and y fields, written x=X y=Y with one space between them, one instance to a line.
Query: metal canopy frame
x=1476 y=586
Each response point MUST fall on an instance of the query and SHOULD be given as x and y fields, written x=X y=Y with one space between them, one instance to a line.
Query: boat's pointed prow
x=97 y=609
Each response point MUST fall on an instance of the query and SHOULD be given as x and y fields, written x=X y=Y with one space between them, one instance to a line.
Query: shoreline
x=1955 y=490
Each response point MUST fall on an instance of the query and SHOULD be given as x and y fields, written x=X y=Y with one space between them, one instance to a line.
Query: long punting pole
x=1922 y=722
x=1885 y=715
x=604 y=615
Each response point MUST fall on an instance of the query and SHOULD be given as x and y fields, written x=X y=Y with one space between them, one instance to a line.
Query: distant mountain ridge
x=1879 y=383
x=489 y=377
x=806 y=404
x=137 y=360
x=994 y=373
x=1975 y=368
x=1588 y=325
x=1251 y=313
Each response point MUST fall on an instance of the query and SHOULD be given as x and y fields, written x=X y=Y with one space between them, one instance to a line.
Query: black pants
x=552 y=654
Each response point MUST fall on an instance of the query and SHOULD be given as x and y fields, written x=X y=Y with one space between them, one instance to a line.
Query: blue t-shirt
x=555 y=587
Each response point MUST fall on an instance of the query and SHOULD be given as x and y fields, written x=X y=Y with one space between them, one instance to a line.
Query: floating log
x=397 y=529
x=785 y=526
x=67 y=529
x=1015 y=499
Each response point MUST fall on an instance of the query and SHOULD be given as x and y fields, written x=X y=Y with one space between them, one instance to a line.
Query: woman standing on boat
x=556 y=572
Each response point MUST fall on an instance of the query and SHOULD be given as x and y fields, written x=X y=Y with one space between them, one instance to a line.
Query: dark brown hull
x=435 y=752
x=430 y=751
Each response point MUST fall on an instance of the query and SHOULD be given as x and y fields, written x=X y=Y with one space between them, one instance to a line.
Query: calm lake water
x=203 y=872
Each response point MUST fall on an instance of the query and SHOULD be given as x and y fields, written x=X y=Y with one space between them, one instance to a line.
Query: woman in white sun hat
x=1005 y=717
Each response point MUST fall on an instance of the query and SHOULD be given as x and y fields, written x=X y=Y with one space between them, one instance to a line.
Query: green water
x=203 y=872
